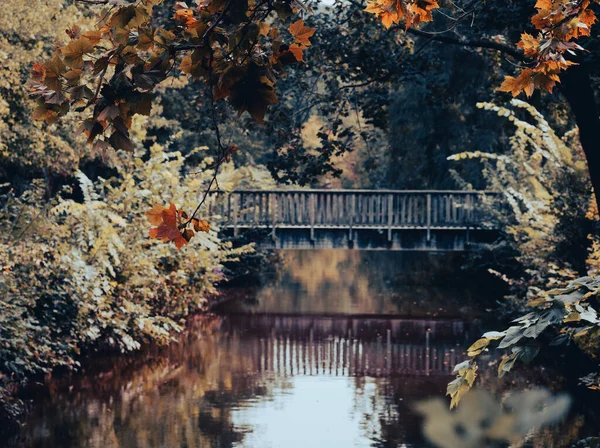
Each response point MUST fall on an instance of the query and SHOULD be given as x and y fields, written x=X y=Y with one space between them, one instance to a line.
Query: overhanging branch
x=477 y=43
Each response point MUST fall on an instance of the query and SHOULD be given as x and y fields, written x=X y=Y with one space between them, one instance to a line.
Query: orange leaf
x=522 y=83
x=38 y=72
x=201 y=225
x=167 y=222
x=296 y=50
x=302 y=33
x=155 y=214
x=529 y=44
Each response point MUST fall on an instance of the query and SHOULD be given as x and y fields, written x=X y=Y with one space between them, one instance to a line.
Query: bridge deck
x=402 y=215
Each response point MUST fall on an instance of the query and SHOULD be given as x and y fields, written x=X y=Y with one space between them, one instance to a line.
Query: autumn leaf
x=477 y=347
x=38 y=72
x=75 y=50
x=516 y=85
x=185 y=16
x=529 y=44
x=253 y=96
x=155 y=214
x=167 y=221
x=93 y=36
x=301 y=32
x=296 y=50
x=201 y=225
x=120 y=140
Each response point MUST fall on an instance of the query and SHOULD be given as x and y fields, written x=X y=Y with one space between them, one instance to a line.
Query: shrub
x=81 y=274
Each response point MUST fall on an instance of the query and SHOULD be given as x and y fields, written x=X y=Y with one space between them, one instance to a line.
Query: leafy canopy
x=109 y=73
x=238 y=49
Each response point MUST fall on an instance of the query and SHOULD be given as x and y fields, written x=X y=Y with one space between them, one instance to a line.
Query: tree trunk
x=576 y=86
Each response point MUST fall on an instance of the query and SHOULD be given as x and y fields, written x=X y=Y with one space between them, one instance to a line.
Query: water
x=333 y=352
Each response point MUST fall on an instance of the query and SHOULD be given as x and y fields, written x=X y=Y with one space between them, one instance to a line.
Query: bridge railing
x=378 y=209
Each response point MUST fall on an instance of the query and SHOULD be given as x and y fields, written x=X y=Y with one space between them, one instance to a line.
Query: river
x=334 y=350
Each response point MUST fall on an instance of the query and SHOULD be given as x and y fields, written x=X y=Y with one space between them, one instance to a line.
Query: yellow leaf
x=75 y=50
x=478 y=347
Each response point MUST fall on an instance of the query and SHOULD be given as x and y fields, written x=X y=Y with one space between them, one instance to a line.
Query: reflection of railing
x=351 y=357
x=380 y=209
x=289 y=345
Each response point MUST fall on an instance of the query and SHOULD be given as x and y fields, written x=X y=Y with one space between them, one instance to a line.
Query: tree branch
x=477 y=43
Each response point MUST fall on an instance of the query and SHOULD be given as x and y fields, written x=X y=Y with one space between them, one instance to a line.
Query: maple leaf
x=296 y=50
x=186 y=16
x=420 y=11
x=529 y=44
x=522 y=83
x=155 y=214
x=543 y=4
x=167 y=221
x=546 y=81
x=301 y=32
x=93 y=36
x=38 y=72
x=74 y=52
x=253 y=96
x=388 y=18
x=229 y=76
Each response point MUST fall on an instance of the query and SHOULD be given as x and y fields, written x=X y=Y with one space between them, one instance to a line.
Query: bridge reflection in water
x=259 y=381
x=348 y=346
x=321 y=357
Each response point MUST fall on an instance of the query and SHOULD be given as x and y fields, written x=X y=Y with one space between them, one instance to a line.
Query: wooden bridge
x=359 y=219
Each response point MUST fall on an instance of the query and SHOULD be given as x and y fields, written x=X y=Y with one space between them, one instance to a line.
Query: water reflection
x=362 y=282
x=335 y=352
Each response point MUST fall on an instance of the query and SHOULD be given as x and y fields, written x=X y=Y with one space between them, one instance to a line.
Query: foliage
x=532 y=179
x=559 y=23
x=81 y=274
x=116 y=66
x=557 y=317
x=543 y=182
x=27 y=32
x=239 y=50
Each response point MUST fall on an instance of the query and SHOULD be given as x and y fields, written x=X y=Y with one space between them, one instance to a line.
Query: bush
x=84 y=274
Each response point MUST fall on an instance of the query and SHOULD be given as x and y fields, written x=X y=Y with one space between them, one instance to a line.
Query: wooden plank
x=390 y=212
x=313 y=211
x=268 y=219
x=428 y=218
x=352 y=211
x=235 y=216
x=335 y=209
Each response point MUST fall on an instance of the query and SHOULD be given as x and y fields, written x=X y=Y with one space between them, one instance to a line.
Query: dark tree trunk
x=576 y=86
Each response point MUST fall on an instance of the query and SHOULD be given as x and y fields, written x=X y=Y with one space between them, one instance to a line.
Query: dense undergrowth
x=79 y=272
x=550 y=248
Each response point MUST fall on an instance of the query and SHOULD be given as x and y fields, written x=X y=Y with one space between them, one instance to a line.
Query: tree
x=240 y=48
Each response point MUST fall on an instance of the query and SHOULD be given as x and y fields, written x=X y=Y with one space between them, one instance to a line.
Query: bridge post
x=235 y=217
x=390 y=211
x=428 y=217
x=352 y=209
x=229 y=207
x=313 y=209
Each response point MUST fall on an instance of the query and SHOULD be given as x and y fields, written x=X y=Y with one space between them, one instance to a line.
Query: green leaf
x=494 y=335
x=513 y=335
